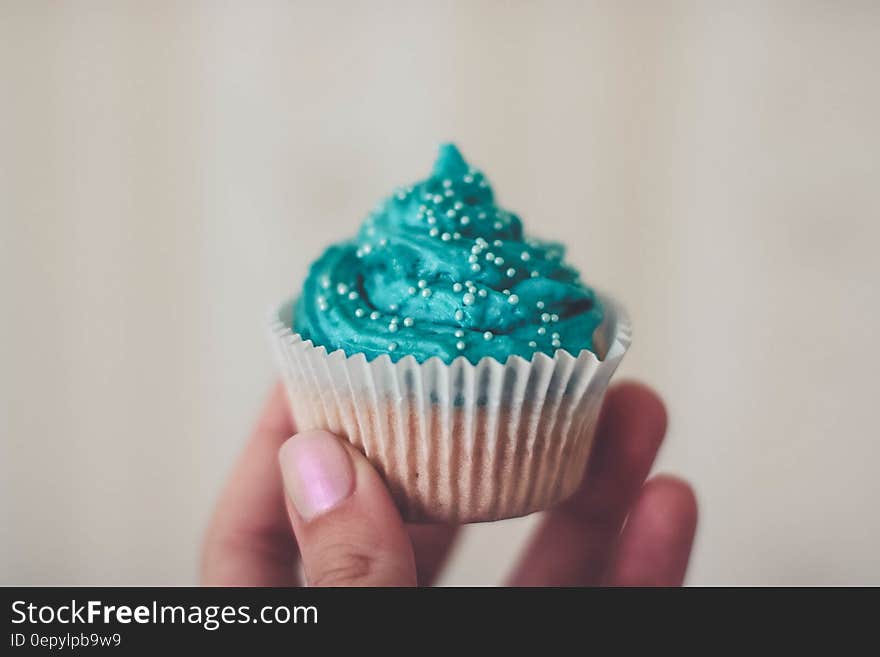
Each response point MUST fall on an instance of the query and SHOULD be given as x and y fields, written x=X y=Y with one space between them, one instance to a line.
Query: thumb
x=348 y=530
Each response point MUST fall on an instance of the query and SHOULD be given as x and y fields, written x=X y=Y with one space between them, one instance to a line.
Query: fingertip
x=631 y=429
x=637 y=397
x=348 y=529
x=673 y=486
x=317 y=471
x=655 y=545
x=671 y=504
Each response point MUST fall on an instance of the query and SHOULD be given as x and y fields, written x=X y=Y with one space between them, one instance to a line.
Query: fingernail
x=317 y=472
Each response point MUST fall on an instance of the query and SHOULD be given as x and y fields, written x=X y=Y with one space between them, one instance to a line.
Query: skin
x=617 y=530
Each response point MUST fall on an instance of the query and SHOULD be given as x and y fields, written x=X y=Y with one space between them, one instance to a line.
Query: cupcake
x=467 y=361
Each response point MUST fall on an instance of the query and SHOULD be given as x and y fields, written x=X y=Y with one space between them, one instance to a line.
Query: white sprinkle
x=446 y=237
x=456 y=287
x=498 y=244
x=513 y=299
x=525 y=256
x=511 y=272
x=392 y=307
x=556 y=343
x=434 y=232
x=545 y=317
x=468 y=299
x=422 y=284
x=475 y=267
x=456 y=235
x=534 y=274
x=432 y=220
x=488 y=335
x=374 y=315
x=352 y=295
x=325 y=282
x=490 y=256
x=482 y=293
x=392 y=327
x=426 y=292
x=505 y=292
x=459 y=333
x=412 y=290
x=465 y=221
x=407 y=321
x=554 y=335
x=472 y=258
x=541 y=330
x=366 y=248
x=497 y=225
x=437 y=199
x=359 y=312
x=460 y=345
x=468 y=179
x=554 y=317
x=450 y=213
x=540 y=305
x=383 y=242
x=533 y=344
x=499 y=261
x=447 y=183
x=458 y=205
x=342 y=288
x=459 y=315
x=392 y=346
x=448 y=192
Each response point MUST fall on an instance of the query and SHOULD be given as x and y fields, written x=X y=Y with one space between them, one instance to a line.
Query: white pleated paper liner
x=458 y=442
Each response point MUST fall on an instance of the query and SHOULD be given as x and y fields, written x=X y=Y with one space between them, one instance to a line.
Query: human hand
x=346 y=530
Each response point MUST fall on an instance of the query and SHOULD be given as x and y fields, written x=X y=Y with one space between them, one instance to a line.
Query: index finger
x=249 y=541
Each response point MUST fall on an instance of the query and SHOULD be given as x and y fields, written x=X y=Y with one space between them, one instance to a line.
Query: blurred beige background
x=168 y=170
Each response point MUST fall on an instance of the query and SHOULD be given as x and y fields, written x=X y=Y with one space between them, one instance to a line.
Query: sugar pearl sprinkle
x=461 y=222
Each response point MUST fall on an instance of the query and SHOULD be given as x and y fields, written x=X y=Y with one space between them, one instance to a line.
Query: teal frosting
x=439 y=269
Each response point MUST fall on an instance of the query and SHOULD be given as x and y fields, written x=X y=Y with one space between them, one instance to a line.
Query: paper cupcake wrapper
x=458 y=442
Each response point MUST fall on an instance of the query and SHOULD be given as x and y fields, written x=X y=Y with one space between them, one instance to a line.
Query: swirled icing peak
x=439 y=269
